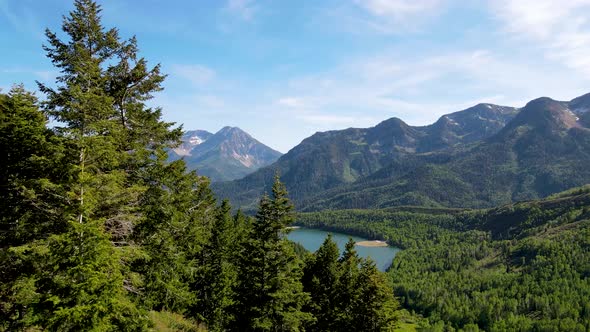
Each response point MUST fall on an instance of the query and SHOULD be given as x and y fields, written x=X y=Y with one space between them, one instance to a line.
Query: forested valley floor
x=519 y=267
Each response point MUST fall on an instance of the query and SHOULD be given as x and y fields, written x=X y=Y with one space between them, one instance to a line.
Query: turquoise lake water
x=312 y=239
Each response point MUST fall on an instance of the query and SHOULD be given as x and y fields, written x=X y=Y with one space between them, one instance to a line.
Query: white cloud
x=419 y=90
x=210 y=101
x=196 y=74
x=291 y=102
x=560 y=28
x=245 y=9
x=392 y=16
x=398 y=9
x=22 y=19
x=325 y=120
x=45 y=75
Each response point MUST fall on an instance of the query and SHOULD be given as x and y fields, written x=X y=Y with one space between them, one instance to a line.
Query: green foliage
x=484 y=157
x=175 y=228
x=165 y=321
x=76 y=272
x=216 y=284
x=347 y=293
x=321 y=280
x=34 y=160
x=516 y=267
x=269 y=291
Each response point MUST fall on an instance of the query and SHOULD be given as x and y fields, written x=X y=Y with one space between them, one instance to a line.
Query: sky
x=283 y=70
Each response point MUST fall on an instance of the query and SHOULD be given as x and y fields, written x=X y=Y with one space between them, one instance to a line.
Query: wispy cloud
x=23 y=19
x=561 y=28
x=394 y=16
x=198 y=75
x=322 y=120
x=245 y=9
x=291 y=102
x=44 y=75
x=420 y=90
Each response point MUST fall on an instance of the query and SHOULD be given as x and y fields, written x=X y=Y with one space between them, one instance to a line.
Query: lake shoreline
x=312 y=238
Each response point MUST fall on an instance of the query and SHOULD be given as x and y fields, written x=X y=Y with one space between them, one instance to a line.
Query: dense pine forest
x=100 y=233
x=519 y=267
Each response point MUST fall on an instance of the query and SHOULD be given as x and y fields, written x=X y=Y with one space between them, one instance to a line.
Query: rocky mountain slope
x=229 y=154
x=478 y=157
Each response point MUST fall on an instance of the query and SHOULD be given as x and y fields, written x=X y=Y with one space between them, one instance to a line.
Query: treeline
x=403 y=229
x=521 y=267
x=99 y=232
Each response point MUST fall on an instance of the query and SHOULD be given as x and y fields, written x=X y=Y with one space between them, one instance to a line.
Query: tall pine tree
x=270 y=294
x=33 y=204
x=320 y=280
x=99 y=105
x=218 y=277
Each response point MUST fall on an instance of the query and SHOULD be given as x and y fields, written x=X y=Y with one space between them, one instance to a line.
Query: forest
x=99 y=232
x=519 y=267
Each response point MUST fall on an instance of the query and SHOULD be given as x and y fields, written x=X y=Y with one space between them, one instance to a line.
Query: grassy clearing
x=170 y=322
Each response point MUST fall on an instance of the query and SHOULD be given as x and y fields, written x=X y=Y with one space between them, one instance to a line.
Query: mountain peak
x=228 y=154
x=392 y=123
x=229 y=129
x=544 y=102
x=544 y=114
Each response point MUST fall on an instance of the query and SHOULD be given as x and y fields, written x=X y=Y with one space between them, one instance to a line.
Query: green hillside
x=544 y=150
x=523 y=266
x=336 y=159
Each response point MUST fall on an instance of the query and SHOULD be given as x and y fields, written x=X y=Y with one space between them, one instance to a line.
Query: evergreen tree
x=99 y=106
x=33 y=163
x=178 y=215
x=32 y=203
x=320 y=280
x=375 y=306
x=269 y=293
x=215 y=293
x=348 y=292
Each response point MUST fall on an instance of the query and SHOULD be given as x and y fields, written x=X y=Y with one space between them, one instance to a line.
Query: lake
x=312 y=239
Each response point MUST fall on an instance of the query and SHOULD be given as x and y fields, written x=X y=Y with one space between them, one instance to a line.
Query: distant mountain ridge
x=478 y=157
x=229 y=154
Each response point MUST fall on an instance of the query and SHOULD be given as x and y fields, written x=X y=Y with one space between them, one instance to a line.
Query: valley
x=312 y=238
x=522 y=266
x=114 y=217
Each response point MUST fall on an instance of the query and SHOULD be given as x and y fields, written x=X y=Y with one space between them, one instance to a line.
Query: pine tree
x=178 y=216
x=99 y=106
x=32 y=203
x=320 y=280
x=219 y=276
x=348 y=292
x=270 y=294
x=374 y=309
x=33 y=159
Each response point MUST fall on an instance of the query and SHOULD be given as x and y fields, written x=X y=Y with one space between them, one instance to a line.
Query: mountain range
x=479 y=157
x=229 y=154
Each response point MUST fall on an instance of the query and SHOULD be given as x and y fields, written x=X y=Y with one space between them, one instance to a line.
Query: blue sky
x=282 y=70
